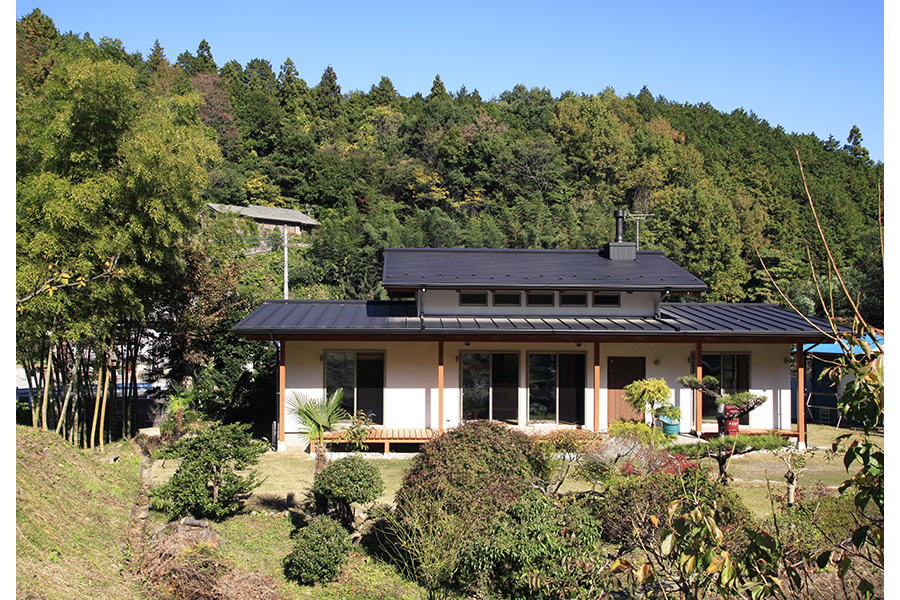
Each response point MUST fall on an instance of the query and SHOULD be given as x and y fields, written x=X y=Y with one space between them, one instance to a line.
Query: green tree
x=213 y=475
x=108 y=186
x=201 y=63
x=438 y=91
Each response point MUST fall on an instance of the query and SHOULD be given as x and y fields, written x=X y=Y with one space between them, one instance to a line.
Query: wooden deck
x=387 y=436
x=788 y=433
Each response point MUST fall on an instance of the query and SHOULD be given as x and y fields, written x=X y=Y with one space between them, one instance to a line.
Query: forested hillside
x=117 y=154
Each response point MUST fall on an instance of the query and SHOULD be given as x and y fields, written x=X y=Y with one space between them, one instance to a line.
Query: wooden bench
x=386 y=436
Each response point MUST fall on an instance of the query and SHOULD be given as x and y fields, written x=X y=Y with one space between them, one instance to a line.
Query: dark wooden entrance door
x=622 y=370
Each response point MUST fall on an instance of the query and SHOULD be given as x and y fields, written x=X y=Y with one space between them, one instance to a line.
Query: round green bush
x=475 y=468
x=319 y=552
x=350 y=480
x=450 y=497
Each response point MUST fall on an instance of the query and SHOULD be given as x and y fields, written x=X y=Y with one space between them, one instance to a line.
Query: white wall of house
x=446 y=302
x=411 y=377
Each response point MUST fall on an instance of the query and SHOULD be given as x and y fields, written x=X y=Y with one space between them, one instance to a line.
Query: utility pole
x=284 y=246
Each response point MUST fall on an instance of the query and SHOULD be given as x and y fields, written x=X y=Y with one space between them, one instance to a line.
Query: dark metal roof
x=267 y=213
x=279 y=318
x=488 y=268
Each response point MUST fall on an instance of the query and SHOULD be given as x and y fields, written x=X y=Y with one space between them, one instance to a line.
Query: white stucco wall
x=410 y=398
x=411 y=377
x=446 y=302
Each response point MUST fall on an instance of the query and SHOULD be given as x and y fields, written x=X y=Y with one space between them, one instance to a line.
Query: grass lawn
x=759 y=475
x=289 y=475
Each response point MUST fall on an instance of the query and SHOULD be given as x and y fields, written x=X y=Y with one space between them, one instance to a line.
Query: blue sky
x=809 y=66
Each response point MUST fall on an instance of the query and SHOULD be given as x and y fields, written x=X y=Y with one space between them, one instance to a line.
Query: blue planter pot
x=669 y=427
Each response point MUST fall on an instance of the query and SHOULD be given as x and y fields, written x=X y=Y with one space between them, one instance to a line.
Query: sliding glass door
x=490 y=386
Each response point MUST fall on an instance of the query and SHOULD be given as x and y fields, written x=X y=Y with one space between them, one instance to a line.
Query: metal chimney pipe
x=620 y=225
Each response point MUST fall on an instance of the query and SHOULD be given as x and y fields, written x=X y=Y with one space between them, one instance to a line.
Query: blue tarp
x=836 y=349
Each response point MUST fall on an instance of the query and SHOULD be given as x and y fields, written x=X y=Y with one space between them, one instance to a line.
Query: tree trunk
x=103 y=406
x=47 y=381
x=321 y=457
x=791 y=478
x=32 y=379
x=65 y=406
x=96 y=406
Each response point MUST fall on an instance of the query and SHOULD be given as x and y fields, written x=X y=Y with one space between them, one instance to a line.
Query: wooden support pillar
x=698 y=395
x=281 y=381
x=801 y=396
x=440 y=388
x=597 y=386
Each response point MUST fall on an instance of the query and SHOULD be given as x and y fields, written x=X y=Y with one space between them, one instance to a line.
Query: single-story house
x=531 y=338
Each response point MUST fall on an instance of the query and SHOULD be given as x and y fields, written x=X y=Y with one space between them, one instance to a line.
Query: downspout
x=420 y=300
x=280 y=442
x=656 y=310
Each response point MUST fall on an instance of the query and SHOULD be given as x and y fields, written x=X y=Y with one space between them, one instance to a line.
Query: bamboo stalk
x=103 y=406
x=96 y=407
x=47 y=380
x=65 y=406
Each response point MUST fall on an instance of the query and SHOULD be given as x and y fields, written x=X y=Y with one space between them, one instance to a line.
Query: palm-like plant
x=315 y=417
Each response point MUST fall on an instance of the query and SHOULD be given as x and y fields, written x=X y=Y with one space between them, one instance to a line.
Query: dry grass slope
x=72 y=519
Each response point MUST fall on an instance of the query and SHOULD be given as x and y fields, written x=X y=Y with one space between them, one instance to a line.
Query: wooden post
x=440 y=388
x=698 y=395
x=801 y=395
x=597 y=386
x=281 y=372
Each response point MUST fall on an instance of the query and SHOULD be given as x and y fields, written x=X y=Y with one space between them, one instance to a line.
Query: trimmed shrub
x=741 y=443
x=639 y=431
x=212 y=480
x=627 y=503
x=522 y=550
x=451 y=494
x=350 y=480
x=320 y=550
x=479 y=466
x=568 y=441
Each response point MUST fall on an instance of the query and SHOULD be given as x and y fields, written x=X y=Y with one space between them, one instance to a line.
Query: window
x=539 y=299
x=490 y=386
x=606 y=300
x=556 y=388
x=507 y=299
x=733 y=373
x=361 y=375
x=573 y=299
x=473 y=298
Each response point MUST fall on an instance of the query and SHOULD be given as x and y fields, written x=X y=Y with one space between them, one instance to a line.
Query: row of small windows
x=540 y=299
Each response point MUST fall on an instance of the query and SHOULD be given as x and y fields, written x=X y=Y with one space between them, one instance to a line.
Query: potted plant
x=654 y=396
x=670 y=417
x=731 y=406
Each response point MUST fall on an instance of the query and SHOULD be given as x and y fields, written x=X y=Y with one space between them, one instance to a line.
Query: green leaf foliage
x=350 y=480
x=320 y=549
x=212 y=479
